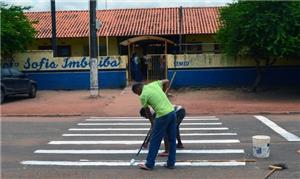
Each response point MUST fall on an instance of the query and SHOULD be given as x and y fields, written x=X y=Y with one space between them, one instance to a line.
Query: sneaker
x=163 y=154
x=144 y=167
x=179 y=146
x=169 y=167
x=145 y=146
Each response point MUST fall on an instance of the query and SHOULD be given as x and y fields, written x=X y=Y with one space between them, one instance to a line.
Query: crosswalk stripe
x=284 y=133
x=141 y=124
x=201 y=117
x=131 y=142
x=141 y=119
x=205 y=151
x=135 y=117
x=190 y=124
x=127 y=163
x=143 y=135
x=141 y=129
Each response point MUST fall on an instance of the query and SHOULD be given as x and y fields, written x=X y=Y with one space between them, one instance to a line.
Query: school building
x=141 y=45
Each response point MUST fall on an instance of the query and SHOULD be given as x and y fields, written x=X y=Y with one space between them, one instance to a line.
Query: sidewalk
x=125 y=103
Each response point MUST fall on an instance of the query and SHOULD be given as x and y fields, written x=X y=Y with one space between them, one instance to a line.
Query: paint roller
x=275 y=167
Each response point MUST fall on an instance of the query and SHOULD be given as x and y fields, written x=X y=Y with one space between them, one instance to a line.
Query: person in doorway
x=180 y=114
x=136 y=68
x=153 y=95
x=144 y=66
x=162 y=66
x=132 y=66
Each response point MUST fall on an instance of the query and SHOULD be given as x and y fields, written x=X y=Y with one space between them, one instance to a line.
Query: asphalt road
x=31 y=145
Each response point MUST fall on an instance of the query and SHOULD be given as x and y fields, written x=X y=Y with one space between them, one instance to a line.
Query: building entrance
x=147 y=60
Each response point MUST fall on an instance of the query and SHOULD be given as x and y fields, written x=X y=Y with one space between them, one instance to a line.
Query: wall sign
x=45 y=62
x=218 y=60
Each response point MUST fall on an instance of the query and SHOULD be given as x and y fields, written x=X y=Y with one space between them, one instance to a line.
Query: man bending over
x=153 y=94
x=180 y=114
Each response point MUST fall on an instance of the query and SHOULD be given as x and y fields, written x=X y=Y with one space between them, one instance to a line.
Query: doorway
x=147 y=58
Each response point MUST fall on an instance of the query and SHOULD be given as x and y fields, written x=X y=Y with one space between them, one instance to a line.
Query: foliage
x=261 y=29
x=16 y=30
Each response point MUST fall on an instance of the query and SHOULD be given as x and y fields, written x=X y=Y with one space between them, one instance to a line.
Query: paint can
x=261 y=146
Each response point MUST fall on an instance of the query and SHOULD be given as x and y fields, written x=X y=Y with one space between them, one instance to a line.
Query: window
x=123 y=50
x=86 y=50
x=217 y=48
x=193 y=48
x=5 y=72
x=62 y=50
x=45 y=47
x=15 y=73
x=102 y=50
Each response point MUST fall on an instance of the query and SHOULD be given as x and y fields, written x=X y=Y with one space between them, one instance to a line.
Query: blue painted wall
x=236 y=77
x=214 y=77
x=77 y=80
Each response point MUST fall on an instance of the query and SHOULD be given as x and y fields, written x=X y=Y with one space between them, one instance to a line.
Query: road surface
x=92 y=147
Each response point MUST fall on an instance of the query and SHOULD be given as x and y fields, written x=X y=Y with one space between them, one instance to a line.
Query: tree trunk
x=258 y=76
x=270 y=63
x=260 y=70
x=10 y=57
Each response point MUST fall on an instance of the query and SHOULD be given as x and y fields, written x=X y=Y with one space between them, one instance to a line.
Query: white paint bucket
x=261 y=146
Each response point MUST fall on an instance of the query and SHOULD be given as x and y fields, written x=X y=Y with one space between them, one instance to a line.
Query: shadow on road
x=15 y=98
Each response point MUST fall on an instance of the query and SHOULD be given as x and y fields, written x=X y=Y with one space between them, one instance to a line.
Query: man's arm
x=165 y=84
x=149 y=115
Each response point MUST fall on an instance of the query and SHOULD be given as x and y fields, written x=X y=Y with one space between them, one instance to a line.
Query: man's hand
x=149 y=115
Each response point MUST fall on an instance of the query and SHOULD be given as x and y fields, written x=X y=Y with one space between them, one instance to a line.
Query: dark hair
x=143 y=112
x=136 y=86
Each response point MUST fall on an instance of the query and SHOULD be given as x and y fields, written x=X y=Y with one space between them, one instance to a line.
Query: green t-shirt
x=154 y=96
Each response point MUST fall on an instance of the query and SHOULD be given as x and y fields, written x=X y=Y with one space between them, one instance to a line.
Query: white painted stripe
x=143 y=118
x=140 y=119
x=212 y=151
x=143 y=135
x=200 y=117
x=284 y=133
x=131 y=142
x=104 y=135
x=127 y=163
x=141 y=124
x=206 y=134
x=142 y=129
x=116 y=117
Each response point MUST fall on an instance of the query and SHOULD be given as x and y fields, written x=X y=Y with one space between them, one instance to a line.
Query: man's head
x=137 y=88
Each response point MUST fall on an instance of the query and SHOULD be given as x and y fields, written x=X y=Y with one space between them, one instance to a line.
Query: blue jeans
x=165 y=125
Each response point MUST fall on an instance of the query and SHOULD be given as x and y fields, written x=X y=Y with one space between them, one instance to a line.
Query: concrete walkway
x=125 y=103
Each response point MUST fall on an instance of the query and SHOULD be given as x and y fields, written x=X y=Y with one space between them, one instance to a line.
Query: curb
x=193 y=114
x=249 y=113
x=42 y=115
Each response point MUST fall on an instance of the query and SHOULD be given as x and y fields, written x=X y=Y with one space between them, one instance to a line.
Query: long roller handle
x=270 y=173
x=171 y=82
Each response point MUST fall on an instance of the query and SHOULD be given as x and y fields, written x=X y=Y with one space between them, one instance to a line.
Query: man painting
x=153 y=94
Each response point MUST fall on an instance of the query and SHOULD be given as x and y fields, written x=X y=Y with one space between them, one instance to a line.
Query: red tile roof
x=129 y=22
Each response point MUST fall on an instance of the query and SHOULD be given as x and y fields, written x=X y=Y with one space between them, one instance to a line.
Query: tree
x=16 y=30
x=262 y=30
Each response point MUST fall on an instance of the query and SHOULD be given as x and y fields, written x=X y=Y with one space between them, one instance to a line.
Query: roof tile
x=128 y=22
